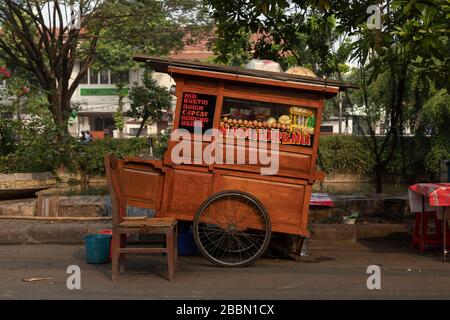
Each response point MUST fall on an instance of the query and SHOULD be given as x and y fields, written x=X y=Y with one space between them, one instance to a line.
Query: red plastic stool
x=421 y=234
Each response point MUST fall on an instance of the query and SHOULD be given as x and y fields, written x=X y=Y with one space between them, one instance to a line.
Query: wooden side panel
x=294 y=161
x=240 y=155
x=202 y=83
x=187 y=191
x=143 y=188
x=283 y=199
x=287 y=161
x=270 y=94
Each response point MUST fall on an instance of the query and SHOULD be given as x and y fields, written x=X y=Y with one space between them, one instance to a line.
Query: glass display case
x=290 y=124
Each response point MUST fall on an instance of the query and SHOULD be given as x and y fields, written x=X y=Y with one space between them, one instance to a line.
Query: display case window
x=290 y=124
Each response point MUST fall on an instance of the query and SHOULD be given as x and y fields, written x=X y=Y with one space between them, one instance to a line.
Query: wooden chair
x=123 y=225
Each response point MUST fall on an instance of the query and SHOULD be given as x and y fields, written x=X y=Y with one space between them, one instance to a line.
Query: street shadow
x=402 y=246
x=80 y=256
x=316 y=259
x=143 y=264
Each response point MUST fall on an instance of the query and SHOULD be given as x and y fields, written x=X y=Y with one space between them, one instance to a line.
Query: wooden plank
x=142 y=250
x=148 y=223
x=163 y=65
x=57 y=218
x=249 y=79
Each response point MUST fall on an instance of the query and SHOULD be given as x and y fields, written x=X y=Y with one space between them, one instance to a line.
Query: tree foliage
x=148 y=99
x=36 y=38
x=292 y=33
x=402 y=64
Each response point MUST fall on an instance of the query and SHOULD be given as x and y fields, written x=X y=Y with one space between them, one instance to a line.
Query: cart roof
x=163 y=64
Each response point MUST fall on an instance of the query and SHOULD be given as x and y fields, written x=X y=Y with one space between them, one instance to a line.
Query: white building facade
x=97 y=101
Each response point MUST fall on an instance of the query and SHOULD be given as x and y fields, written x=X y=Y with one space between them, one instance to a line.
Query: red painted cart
x=234 y=207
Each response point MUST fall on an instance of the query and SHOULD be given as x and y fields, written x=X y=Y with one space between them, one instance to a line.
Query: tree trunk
x=138 y=134
x=60 y=109
x=120 y=110
x=378 y=180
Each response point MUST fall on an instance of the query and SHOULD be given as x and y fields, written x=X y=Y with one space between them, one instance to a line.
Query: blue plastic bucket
x=186 y=244
x=97 y=248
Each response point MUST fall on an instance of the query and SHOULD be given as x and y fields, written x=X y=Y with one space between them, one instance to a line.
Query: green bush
x=90 y=156
x=351 y=154
x=27 y=146
x=439 y=151
x=345 y=154
x=408 y=158
x=36 y=150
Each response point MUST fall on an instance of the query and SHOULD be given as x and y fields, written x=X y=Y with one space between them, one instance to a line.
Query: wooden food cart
x=234 y=208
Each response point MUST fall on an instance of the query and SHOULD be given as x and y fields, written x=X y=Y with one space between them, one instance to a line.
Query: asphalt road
x=331 y=271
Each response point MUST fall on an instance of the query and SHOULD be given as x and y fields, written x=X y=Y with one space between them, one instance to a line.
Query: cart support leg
x=444 y=225
x=291 y=248
x=170 y=253
x=115 y=255
x=175 y=244
x=123 y=244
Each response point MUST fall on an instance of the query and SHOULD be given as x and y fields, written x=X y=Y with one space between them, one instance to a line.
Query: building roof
x=194 y=52
x=162 y=65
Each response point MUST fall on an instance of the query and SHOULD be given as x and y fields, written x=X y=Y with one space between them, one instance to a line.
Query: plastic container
x=107 y=231
x=348 y=221
x=186 y=244
x=97 y=248
x=266 y=65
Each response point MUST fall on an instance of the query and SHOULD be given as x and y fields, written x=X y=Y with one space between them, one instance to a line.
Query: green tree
x=37 y=38
x=27 y=130
x=148 y=100
x=290 y=32
x=172 y=23
x=48 y=48
x=436 y=118
x=411 y=46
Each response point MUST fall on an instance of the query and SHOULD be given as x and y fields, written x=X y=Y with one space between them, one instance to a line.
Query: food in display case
x=285 y=124
x=302 y=119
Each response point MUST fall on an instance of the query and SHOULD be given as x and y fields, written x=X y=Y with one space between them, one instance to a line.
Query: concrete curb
x=42 y=232
x=369 y=231
x=23 y=181
x=69 y=232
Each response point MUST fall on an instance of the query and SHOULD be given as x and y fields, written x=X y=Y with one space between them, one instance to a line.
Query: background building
x=97 y=97
x=97 y=101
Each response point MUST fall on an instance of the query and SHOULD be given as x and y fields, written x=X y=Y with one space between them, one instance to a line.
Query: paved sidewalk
x=334 y=270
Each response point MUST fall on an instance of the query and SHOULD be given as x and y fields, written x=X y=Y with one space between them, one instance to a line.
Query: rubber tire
x=263 y=211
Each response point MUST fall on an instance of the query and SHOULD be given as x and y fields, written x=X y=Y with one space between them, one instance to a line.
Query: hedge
x=336 y=154
x=90 y=156
x=344 y=153
x=352 y=154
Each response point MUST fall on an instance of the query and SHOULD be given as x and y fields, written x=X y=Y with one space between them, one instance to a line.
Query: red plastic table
x=321 y=200
x=431 y=196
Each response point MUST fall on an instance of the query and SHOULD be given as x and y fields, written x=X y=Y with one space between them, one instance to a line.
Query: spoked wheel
x=232 y=229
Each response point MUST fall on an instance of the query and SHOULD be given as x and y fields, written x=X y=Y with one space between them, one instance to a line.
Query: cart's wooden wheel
x=232 y=229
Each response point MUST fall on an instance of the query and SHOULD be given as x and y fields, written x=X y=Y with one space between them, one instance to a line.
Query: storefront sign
x=101 y=91
x=199 y=109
